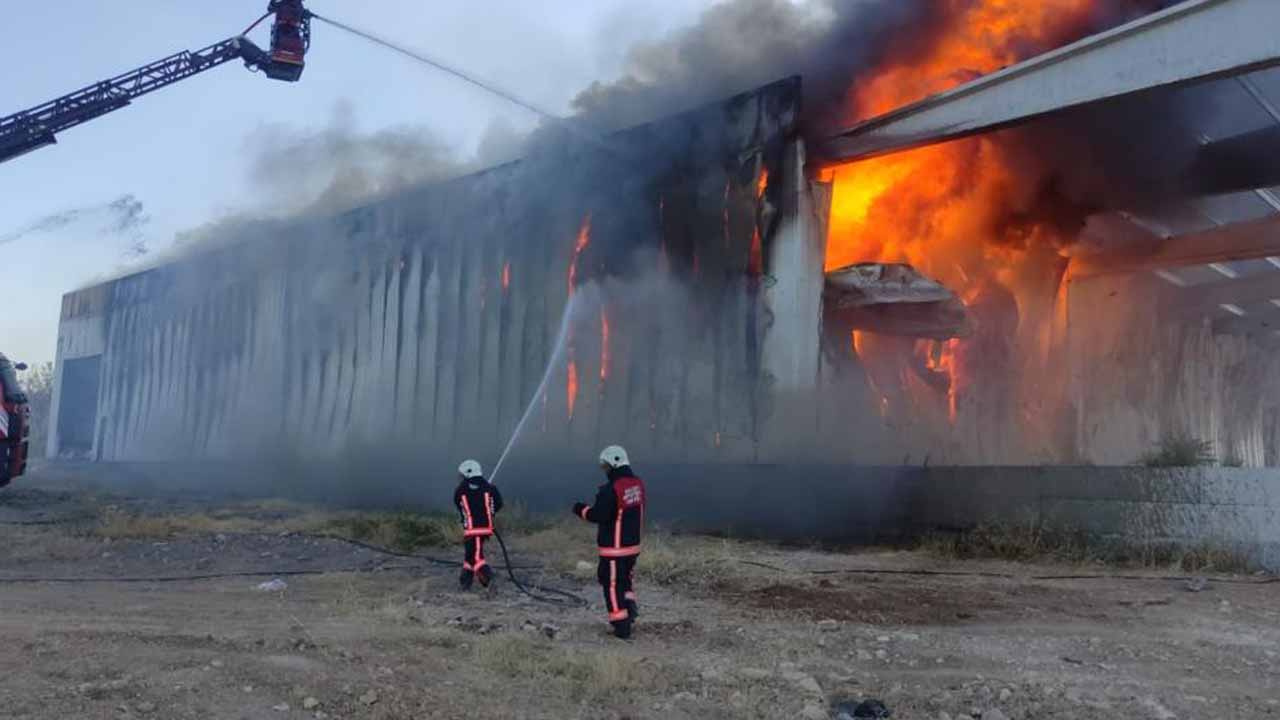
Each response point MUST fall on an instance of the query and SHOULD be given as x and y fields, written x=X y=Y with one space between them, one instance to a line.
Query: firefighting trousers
x=473 y=557
x=616 y=576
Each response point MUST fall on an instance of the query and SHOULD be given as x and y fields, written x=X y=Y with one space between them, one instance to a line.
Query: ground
x=729 y=629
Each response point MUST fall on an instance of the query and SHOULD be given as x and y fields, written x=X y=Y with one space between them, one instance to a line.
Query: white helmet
x=470 y=469
x=614 y=457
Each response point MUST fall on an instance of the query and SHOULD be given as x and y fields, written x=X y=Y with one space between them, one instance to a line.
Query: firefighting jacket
x=478 y=502
x=618 y=512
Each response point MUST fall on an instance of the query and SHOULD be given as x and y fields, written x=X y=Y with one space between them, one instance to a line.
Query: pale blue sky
x=180 y=151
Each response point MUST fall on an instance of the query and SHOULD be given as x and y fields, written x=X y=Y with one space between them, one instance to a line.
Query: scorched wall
x=418 y=328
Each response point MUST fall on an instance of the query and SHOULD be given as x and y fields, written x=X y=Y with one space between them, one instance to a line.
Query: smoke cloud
x=338 y=166
x=123 y=217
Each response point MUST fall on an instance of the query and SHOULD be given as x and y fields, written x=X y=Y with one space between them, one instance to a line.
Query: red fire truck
x=15 y=422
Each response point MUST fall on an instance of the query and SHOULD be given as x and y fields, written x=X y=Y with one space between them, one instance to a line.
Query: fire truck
x=15 y=422
x=39 y=126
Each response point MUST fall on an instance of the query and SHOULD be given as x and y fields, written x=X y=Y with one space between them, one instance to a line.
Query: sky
x=183 y=151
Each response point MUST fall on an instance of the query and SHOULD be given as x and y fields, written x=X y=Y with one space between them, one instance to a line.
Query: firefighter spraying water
x=478 y=503
x=618 y=513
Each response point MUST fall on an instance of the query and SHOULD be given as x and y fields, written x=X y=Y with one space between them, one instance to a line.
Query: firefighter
x=618 y=512
x=478 y=502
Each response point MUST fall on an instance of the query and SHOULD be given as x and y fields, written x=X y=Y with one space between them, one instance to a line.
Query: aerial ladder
x=39 y=126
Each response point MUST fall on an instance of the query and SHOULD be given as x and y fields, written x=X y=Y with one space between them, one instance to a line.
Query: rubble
x=893 y=299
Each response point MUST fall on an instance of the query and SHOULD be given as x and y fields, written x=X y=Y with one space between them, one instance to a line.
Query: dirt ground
x=728 y=629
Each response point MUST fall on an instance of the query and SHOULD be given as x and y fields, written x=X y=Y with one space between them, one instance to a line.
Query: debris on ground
x=276 y=585
x=868 y=708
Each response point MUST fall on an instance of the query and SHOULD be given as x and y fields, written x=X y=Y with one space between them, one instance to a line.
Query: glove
x=578 y=507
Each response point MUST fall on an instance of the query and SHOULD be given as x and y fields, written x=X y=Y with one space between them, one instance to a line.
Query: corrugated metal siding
x=388 y=327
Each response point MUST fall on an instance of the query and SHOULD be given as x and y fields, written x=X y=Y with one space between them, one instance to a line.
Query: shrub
x=1180 y=450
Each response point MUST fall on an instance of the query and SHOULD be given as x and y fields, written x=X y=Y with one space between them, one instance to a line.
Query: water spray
x=488 y=86
x=553 y=362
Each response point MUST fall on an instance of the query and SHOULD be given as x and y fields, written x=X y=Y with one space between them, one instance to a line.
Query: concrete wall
x=1139 y=374
x=1225 y=508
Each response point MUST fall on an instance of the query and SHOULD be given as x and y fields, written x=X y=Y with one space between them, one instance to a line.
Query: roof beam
x=1240 y=241
x=1210 y=298
x=1243 y=162
x=1194 y=41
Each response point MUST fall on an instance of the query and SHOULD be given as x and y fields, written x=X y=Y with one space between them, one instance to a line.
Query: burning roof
x=893 y=299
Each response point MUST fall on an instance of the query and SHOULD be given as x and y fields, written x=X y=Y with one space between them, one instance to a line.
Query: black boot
x=622 y=629
x=633 y=610
x=486 y=576
x=464 y=580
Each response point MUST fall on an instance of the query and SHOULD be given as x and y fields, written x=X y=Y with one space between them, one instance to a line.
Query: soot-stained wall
x=417 y=329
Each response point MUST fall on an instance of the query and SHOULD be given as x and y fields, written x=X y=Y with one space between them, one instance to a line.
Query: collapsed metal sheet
x=893 y=299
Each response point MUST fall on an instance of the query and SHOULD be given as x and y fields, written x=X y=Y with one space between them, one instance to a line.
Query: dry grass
x=1026 y=542
x=400 y=531
x=580 y=674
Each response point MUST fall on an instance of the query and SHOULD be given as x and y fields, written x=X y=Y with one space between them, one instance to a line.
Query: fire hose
x=537 y=592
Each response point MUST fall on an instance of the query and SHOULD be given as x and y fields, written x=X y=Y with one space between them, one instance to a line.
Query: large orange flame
x=946 y=209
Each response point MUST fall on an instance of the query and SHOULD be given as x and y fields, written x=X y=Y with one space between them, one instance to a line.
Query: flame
x=580 y=244
x=571 y=387
x=980 y=38
x=506 y=276
x=763 y=183
x=946 y=209
x=604 y=346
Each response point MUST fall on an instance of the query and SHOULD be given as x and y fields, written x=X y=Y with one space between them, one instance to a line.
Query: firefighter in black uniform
x=618 y=513
x=478 y=502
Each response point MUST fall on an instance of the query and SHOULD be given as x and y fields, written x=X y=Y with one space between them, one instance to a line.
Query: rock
x=282 y=707
x=828 y=625
x=868 y=708
x=909 y=637
x=804 y=681
x=145 y=707
x=1005 y=694
x=1158 y=711
x=883 y=639
x=994 y=714
x=864 y=655
x=813 y=712
x=310 y=703
x=737 y=699
x=1196 y=584
x=584 y=566
x=274 y=585
x=751 y=673
x=247 y=688
x=369 y=698
x=882 y=654
x=685 y=696
x=216 y=663
x=551 y=630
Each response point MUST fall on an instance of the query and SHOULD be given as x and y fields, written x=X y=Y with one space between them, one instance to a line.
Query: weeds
x=597 y=675
x=1179 y=450
x=1027 y=542
x=399 y=531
